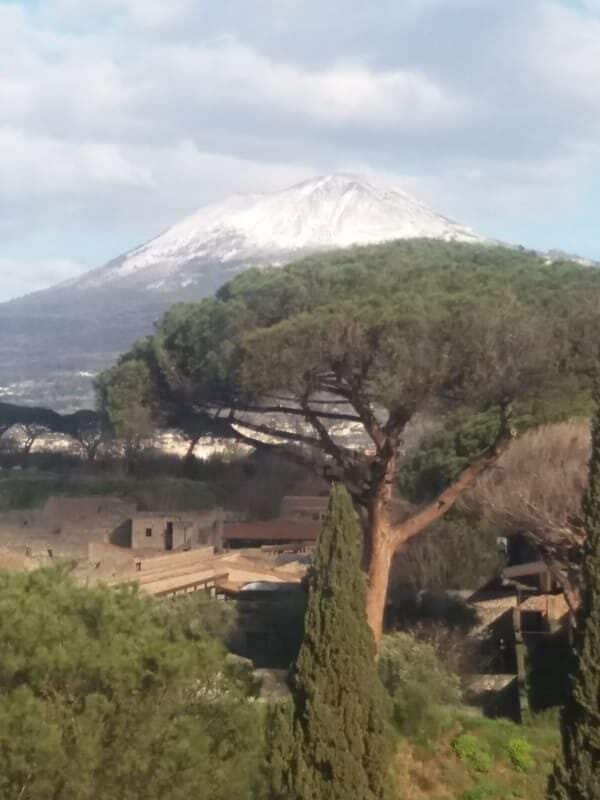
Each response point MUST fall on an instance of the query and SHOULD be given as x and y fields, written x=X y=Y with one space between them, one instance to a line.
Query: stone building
x=296 y=528
x=175 y=531
x=287 y=534
x=70 y=527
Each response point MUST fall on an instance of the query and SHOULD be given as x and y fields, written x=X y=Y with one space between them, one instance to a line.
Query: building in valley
x=174 y=531
x=74 y=527
x=296 y=528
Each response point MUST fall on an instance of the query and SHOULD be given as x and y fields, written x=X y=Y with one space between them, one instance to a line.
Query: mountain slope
x=82 y=325
x=325 y=212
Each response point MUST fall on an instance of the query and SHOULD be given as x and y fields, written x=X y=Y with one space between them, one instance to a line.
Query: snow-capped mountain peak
x=326 y=212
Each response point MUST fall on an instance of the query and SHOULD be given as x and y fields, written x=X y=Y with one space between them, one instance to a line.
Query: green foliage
x=520 y=753
x=391 y=331
x=420 y=686
x=198 y=616
x=473 y=751
x=101 y=700
x=451 y=554
x=341 y=743
x=577 y=775
x=126 y=399
x=281 y=751
x=443 y=455
x=439 y=773
x=481 y=791
x=423 y=323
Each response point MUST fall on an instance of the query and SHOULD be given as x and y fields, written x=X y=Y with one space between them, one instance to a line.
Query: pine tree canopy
x=288 y=357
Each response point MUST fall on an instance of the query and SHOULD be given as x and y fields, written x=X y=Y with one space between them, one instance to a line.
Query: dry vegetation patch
x=539 y=482
x=536 y=490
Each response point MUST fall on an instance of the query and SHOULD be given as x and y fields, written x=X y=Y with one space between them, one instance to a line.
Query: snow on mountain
x=49 y=338
x=331 y=211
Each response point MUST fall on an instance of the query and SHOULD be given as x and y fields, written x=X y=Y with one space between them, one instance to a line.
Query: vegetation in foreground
x=337 y=743
x=577 y=774
x=478 y=759
x=107 y=695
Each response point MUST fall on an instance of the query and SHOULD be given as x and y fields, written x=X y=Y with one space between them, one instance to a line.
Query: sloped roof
x=282 y=530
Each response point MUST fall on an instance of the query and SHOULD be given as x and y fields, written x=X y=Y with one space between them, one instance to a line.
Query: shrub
x=106 y=694
x=473 y=752
x=479 y=792
x=520 y=754
x=420 y=686
x=452 y=554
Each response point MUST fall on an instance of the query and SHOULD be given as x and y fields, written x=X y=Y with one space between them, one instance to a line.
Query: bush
x=105 y=694
x=473 y=752
x=480 y=792
x=451 y=554
x=420 y=686
x=520 y=754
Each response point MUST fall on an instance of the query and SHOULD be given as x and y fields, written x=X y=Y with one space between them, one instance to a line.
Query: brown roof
x=282 y=530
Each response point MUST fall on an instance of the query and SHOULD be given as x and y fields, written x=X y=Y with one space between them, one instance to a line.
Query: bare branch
x=332 y=415
x=343 y=456
x=277 y=433
x=292 y=454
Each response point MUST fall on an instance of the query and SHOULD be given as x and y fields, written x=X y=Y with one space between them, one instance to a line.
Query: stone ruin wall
x=189 y=530
x=93 y=529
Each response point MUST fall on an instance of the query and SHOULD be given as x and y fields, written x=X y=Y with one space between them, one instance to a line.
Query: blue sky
x=117 y=117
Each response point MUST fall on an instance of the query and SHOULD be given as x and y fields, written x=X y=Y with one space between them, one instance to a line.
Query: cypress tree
x=340 y=710
x=282 y=751
x=577 y=775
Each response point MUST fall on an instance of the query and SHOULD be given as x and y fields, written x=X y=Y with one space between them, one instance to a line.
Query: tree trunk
x=191 y=447
x=379 y=548
x=26 y=452
x=384 y=539
x=378 y=577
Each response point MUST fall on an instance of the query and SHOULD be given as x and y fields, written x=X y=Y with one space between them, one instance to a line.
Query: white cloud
x=33 y=165
x=564 y=54
x=485 y=192
x=124 y=114
x=85 y=93
x=143 y=14
x=19 y=277
x=339 y=95
x=130 y=191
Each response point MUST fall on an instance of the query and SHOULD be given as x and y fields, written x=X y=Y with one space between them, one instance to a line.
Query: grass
x=480 y=759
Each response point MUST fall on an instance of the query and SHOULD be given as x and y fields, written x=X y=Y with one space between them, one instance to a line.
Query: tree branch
x=333 y=415
x=277 y=433
x=292 y=455
x=343 y=457
x=443 y=503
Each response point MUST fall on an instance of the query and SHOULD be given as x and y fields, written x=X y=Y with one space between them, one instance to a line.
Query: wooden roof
x=278 y=530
